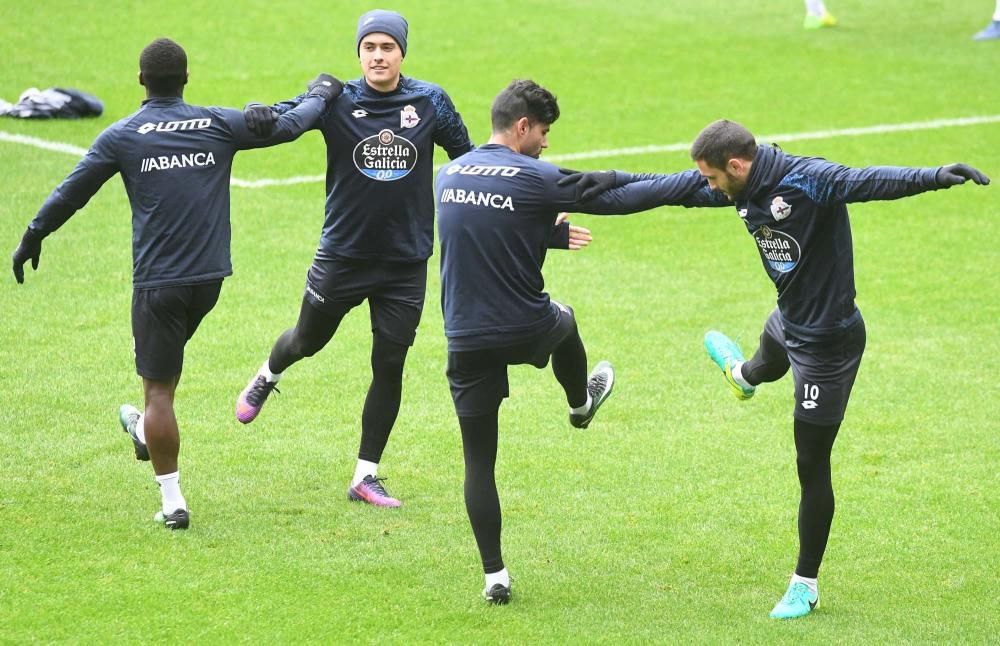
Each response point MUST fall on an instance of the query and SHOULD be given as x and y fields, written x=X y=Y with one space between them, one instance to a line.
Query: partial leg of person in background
x=311 y=333
x=377 y=419
x=992 y=30
x=817 y=16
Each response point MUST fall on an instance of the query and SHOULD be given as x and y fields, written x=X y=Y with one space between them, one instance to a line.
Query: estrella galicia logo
x=779 y=250
x=386 y=156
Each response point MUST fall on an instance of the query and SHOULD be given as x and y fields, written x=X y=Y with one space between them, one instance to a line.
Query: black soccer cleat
x=128 y=416
x=498 y=595
x=179 y=519
x=599 y=385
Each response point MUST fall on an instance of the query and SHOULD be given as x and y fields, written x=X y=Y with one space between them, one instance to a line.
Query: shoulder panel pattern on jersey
x=446 y=115
x=816 y=188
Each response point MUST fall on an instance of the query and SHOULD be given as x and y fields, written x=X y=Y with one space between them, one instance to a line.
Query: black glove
x=326 y=86
x=958 y=174
x=29 y=249
x=588 y=185
x=260 y=119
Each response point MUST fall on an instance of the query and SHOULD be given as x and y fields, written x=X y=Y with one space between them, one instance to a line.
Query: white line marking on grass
x=42 y=143
x=794 y=136
x=287 y=181
x=880 y=129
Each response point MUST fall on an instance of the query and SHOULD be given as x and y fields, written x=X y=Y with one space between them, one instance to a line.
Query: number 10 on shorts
x=810 y=393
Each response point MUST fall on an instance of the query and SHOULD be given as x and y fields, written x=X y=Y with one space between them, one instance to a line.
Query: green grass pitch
x=672 y=519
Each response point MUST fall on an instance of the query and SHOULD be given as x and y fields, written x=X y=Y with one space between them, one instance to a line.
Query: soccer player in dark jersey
x=796 y=210
x=175 y=160
x=378 y=233
x=496 y=207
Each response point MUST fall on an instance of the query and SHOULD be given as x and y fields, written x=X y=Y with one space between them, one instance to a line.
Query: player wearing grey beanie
x=384 y=22
x=378 y=231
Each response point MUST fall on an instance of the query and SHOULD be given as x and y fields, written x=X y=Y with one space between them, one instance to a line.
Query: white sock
x=364 y=468
x=580 y=410
x=738 y=374
x=498 y=577
x=140 y=428
x=810 y=583
x=815 y=7
x=270 y=376
x=170 y=492
x=996 y=14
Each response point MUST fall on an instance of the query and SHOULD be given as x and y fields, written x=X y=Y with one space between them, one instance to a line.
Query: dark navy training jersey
x=175 y=160
x=496 y=209
x=380 y=158
x=795 y=209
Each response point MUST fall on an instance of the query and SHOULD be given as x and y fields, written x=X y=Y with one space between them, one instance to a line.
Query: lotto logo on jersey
x=487 y=171
x=174 y=126
x=386 y=156
x=779 y=250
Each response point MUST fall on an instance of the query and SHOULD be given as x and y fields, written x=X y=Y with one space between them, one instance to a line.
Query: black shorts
x=163 y=319
x=478 y=378
x=823 y=371
x=395 y=292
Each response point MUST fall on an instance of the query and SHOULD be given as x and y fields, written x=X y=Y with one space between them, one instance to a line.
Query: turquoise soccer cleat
x=798 y=601
x=724 y=352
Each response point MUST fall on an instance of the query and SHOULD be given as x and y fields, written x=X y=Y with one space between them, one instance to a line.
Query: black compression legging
x=813 y=445
x=482 y=502
x=479 y=444
x=384 y=396
x=569 y=365
x=311 y=333
x=769 y=363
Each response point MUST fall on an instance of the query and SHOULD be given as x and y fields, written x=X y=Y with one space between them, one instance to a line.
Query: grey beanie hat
x=385 y=22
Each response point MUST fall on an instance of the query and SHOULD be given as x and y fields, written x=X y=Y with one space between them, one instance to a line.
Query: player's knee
x=305 y=346
x=388 y=358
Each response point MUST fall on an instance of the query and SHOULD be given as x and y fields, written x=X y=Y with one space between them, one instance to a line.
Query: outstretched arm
x=620 y=193
x=98 y=166
x=826 y=182
x=267 y=121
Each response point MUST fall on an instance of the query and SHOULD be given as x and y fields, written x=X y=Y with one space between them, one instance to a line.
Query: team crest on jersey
x=386 y=156
x=780 y=209
x=779 y=250
x=408 y=117
x=743 y=213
